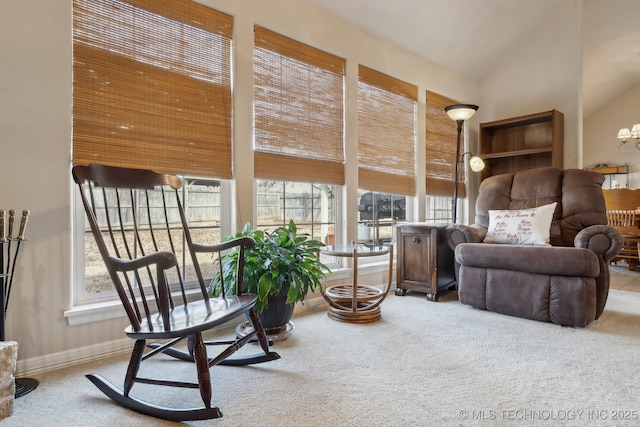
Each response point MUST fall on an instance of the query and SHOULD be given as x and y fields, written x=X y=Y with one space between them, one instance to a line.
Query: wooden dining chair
x=624 y=220
x=623 y=213
x=141 y=230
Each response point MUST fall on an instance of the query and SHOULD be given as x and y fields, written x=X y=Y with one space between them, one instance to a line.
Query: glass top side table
x=353 y=302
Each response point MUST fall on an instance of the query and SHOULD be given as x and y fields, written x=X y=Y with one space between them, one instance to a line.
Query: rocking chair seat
x=194 y=317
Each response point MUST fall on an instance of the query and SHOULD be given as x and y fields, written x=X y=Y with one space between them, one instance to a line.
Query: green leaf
x=279 y=258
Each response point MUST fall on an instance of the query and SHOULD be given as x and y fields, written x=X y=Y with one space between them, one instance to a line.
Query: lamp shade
x=461 y=111
x=624 y=134
x=635 y=131
x=476 y=164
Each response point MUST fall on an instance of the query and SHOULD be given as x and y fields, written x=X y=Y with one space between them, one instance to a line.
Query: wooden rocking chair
x=122 y=207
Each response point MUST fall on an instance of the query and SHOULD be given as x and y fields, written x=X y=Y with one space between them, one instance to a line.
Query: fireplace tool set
x=8 y=258
x=9 y=251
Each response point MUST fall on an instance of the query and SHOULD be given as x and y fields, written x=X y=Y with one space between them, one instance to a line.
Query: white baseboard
x=76 y=356
x=64 y=359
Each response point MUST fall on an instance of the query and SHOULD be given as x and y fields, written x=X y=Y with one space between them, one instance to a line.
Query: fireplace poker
x=12 y=214
x=2 y=274
x=2 y=229
x=23 y=225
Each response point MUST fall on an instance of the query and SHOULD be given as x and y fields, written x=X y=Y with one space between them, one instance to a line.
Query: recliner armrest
x=602 y=239
x=459 y=233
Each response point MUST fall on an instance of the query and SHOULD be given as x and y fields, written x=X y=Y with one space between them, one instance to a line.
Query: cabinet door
x=418 y=259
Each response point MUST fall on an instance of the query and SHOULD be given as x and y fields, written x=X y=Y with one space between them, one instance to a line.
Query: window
x=151 y=90
x=201 y=198
x=311 y=206
x=387 y=109
x=299 y=134
x=378 y=213
x=439 y=209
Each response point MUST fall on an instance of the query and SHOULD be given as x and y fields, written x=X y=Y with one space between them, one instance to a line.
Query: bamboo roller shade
x=386 y=133
x=152 y=86
x=298 y=110
x=441 y=148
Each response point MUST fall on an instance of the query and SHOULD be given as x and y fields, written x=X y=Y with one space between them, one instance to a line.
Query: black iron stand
x=8 y=260
x=25 y=385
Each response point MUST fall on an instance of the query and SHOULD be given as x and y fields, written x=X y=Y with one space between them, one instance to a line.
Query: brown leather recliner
x=566 y=282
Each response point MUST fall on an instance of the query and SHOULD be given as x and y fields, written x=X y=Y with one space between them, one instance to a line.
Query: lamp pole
x=456 y=179
x=459 y=113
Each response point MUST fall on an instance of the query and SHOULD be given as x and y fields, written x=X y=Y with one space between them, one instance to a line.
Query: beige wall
x=35 y=129
x=600 y=131
x=543 y=72
x=35 y=124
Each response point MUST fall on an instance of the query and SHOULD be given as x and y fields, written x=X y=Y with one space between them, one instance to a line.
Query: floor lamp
x=459 y=113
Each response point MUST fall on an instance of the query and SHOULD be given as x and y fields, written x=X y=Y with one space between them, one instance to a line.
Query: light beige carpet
x=423 y=364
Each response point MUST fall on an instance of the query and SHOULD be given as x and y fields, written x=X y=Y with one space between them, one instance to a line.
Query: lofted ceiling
x=473 y=35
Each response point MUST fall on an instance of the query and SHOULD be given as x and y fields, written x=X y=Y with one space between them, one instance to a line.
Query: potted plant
x=282 y=268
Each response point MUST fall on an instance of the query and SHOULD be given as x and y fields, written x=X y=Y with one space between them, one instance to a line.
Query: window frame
x=215 y=31
x=331 y=262
x=106 y=305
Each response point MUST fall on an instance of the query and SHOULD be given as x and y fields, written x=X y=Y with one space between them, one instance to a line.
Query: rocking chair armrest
x=247 y=242
x=163 y=260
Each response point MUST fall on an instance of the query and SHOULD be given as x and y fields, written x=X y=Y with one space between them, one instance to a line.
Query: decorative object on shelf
x=9 y=251
x=282 y=268
x=459 y=113
x=625 y=134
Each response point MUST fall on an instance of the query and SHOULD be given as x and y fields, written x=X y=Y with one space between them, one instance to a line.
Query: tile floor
x=624 y=279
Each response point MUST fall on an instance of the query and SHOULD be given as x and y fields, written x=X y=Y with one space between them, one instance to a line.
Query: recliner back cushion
x=582 y=203
x=578 y=194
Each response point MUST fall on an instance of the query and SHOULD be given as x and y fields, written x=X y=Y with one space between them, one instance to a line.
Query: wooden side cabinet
x=425 y=260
